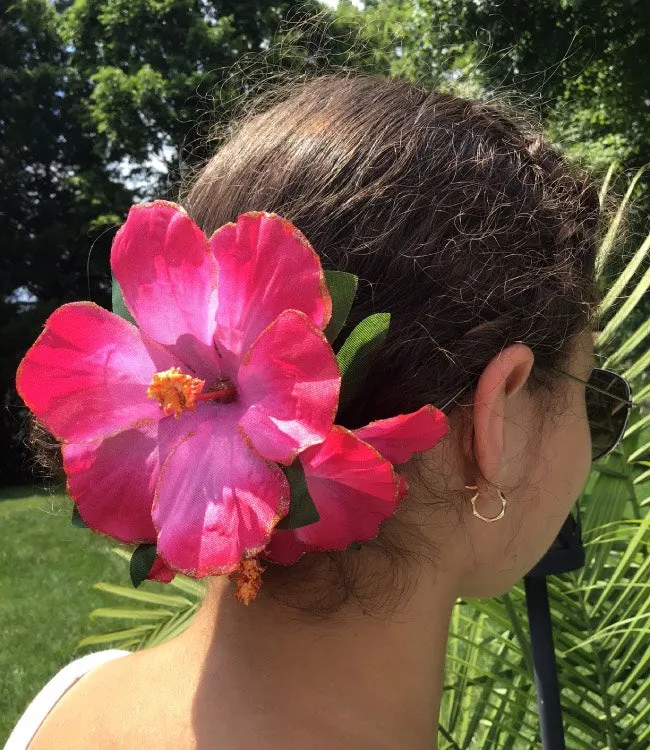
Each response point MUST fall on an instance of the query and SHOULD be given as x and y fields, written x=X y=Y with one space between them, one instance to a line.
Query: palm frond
x=167 y=614
x=609 y=241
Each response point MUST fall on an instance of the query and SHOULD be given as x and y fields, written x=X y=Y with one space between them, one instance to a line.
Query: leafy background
x=105 y=102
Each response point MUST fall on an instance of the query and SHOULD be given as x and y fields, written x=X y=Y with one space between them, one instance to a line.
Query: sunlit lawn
x=47 y=569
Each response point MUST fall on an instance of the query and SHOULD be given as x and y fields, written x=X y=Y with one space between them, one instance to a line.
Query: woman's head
x=480 y=241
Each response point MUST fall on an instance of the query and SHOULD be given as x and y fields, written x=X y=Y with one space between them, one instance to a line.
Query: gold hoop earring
x=484 y=518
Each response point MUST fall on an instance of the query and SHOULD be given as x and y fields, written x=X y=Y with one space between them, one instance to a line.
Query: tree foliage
x=586 y=63
x=582 y=64
x=144 y=69
x=98 y=99
x=58 y=198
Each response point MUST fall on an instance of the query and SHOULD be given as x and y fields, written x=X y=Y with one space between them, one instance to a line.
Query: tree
x=57 y=197
x=99 y=97
x=582 y=64
x=152 y=76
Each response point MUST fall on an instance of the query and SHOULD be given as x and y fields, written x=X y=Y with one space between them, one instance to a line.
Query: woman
x=480 y=241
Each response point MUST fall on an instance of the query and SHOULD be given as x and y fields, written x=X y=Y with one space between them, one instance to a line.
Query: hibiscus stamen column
x=248 y=578
x=222 y=391
x=176 y=391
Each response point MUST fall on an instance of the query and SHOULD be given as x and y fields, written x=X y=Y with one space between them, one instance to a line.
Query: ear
x=501 y=380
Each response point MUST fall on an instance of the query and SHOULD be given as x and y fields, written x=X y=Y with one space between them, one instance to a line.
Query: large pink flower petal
x=398 y=438
x=266 y=265
x=112 y=480
x=167 y=273
x=290 y=381
x=354 y=490
x=88 y=372
x=217 y=501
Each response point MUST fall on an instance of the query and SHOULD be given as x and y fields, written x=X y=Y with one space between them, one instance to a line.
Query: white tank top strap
x=47 y=698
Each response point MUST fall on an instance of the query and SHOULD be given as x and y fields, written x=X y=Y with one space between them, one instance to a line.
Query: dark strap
x=566 y=553
x=544 y=667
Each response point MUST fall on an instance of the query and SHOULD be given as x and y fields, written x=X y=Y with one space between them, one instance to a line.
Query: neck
x=357 y=681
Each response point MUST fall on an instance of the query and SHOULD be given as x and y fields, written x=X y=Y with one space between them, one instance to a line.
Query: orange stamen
x=249 y=580
x=175 y=391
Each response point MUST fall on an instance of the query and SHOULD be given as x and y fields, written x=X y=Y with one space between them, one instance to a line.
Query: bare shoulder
x=121 y=704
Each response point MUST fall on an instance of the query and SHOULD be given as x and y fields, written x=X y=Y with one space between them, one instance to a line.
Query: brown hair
x=463 y=224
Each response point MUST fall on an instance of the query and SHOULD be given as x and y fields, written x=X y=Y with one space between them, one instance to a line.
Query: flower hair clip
x=197 y=420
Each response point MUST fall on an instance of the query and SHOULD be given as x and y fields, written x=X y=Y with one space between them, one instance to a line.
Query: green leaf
x=164 y=600
x=342 y=287
x=118 y=635
x=607 y=471
x=606 y=182
x=121 y=613
x=77 y=520
x=638 y=367
x=302 y=510
x=354 y=547
x=638 y=294
x=119 y=308
x=644 y=477
x=629 y=343
x=358 y=354
x=141 y=563
x=188 y=586
x=170 y=628
x=615 y=291
x=607 y=245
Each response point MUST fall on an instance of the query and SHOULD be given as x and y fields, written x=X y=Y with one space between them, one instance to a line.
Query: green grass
x=47 y=570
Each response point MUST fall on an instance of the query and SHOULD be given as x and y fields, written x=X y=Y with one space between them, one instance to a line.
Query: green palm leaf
x=609 y=242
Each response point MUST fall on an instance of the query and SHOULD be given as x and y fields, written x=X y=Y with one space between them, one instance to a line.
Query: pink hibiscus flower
x=353 y=484
x=172 y=432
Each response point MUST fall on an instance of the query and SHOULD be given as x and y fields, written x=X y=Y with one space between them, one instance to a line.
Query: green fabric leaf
x=357 y=355
x=141 y=563
x=302 y=510
x=77 y=520
x=342 y=287
x=355 y=546
x=119 y=308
